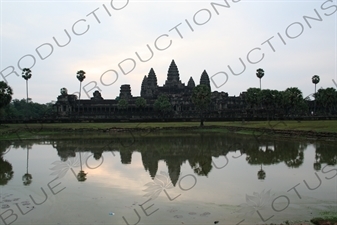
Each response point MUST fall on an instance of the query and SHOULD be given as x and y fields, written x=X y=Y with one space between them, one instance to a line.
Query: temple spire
x=143 y=87
x=173 y=76
x=152 y=79
x=125 y=91
x=191 y=83
x=204 y=80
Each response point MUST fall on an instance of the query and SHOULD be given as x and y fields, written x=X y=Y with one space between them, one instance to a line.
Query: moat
x=171 y=178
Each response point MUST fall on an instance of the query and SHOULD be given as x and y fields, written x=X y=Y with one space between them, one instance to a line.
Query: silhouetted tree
x=253 y=99
x=141 y=102
x=122 y=103
x=201 y=98
x=26 y=74
x=80 y=77
x=163 y=105
x=6 y=93
x=260 y=74
x=315 y=80
x=6 y=169
x=327 y=100
x=293 y=101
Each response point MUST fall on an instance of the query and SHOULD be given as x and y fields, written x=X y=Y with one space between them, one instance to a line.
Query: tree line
x=289 y=102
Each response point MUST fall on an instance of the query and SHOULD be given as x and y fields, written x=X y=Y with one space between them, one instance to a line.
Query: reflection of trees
x=97 y=154
x=294 y=156
x=6 y=169
x=27 y=177
x=201 y=165
x=197 y=150
x=296 y=160
x=265 y=152
x=256 y=155
x=261 y=175
x=201 y=161
x=317 y=163
x=325 y=154
x=81 y=176
x=64 y=155
x=289 y=152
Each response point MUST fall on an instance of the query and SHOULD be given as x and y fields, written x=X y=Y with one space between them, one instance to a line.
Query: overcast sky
x=105 y=36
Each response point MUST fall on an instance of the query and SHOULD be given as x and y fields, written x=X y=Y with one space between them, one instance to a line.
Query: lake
x=166 y=178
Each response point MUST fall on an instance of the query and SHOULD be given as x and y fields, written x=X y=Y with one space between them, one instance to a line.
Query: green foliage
x=80 y=75
x=122 y=104
x=326 y=99
x=325 y=220
x=265 y=98
x=315 y=79
x=6 y=172
x=27 y=179
x=201 y=97
x=81 y=176
x=201 y=164
x=6 y=93
x=162 y=104
x=293 y=101
x=20 y=109
x=64 y=91
x=271 y=102
x=252 y=97
x=141 y=102
x=26 y=73
x=261 y=174
x=259 y=73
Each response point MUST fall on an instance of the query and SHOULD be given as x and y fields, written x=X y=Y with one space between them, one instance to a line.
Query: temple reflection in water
x=197 y=150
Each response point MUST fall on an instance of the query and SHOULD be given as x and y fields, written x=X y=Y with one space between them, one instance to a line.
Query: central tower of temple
x=173 y=79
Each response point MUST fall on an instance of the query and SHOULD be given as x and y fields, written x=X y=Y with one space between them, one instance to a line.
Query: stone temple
x=178 y=94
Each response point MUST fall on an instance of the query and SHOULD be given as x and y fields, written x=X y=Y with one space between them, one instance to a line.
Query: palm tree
x=80 y=76
x=315 y=80
x=260 y=74
x=26 y=74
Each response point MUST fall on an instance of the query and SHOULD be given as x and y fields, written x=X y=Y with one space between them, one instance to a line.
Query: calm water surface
x=176 y=178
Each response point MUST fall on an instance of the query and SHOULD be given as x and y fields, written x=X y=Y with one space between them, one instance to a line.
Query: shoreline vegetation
x=326 y=130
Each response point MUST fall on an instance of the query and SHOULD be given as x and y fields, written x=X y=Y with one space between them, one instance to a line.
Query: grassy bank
x=328 y=127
